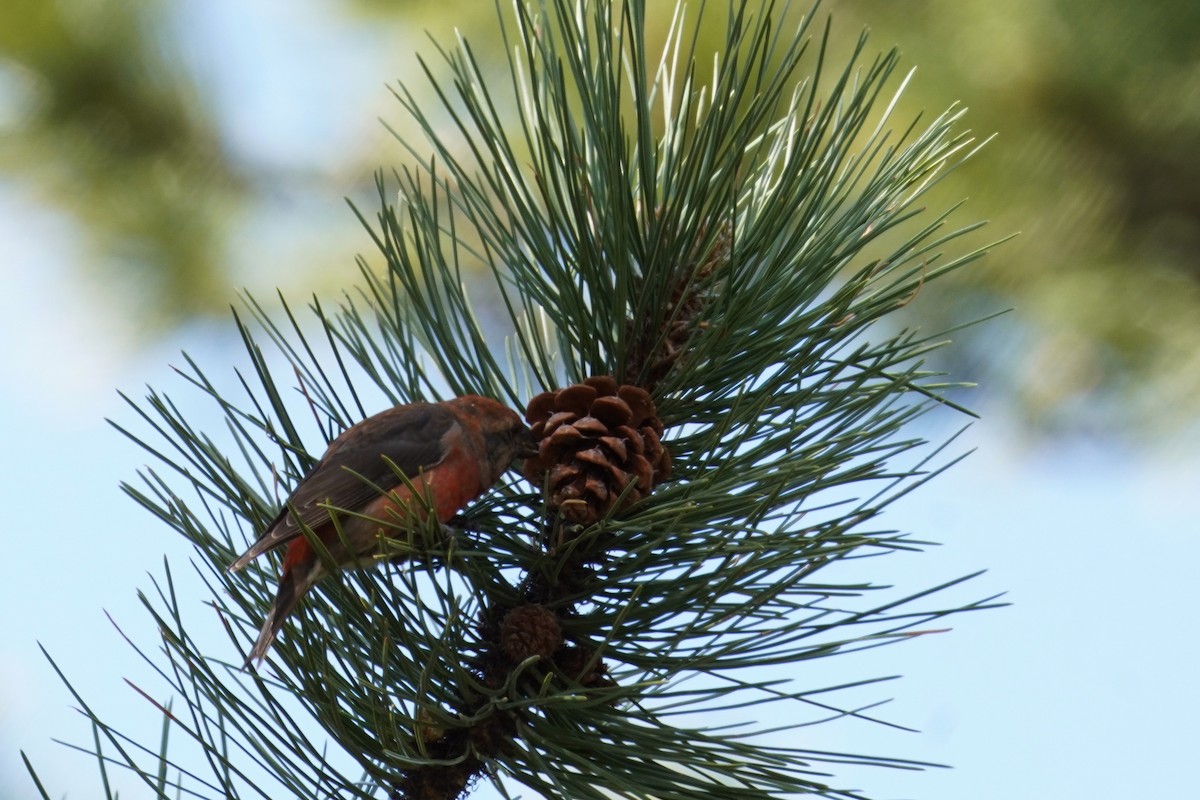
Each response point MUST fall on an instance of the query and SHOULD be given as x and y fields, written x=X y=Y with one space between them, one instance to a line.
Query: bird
x=450 y=452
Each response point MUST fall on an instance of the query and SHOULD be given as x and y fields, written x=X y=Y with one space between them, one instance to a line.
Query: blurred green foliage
x=1096 y=104
x=1097 y=164
x=103 y=123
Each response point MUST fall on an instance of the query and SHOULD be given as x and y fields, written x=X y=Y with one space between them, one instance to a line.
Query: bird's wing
x=346 y=476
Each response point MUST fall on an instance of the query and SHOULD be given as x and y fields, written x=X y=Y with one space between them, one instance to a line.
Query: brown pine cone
x=530 y=630
x=581 y=665
x=660 y=339
x=599 y=445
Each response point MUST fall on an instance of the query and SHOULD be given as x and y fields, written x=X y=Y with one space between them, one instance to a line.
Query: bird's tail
x=293 y=583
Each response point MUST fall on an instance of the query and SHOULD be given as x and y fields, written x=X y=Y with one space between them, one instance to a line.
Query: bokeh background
x=157 y=157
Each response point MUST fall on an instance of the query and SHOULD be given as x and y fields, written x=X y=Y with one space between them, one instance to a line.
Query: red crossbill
x=450 y=452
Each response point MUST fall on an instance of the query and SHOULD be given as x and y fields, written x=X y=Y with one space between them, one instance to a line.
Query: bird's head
x=505 y=435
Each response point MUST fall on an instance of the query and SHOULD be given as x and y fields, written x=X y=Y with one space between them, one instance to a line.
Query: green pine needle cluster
x=736 y=244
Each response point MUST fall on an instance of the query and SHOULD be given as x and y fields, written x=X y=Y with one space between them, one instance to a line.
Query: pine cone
x=530 y=630
x=594 y=440
x=660 y=339
x=581 y=665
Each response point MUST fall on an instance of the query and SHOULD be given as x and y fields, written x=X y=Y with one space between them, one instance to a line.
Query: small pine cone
x=598 y=444
x=530 y=630
x=430 y=730
x=580 y=665
x=662 y=338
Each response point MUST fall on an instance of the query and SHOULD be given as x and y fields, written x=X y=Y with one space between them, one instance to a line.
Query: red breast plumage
x=450 y=452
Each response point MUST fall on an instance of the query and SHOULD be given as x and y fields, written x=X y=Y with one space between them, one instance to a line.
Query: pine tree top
x=724 y=258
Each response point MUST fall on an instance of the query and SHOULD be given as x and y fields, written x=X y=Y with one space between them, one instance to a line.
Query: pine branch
x=697 y=277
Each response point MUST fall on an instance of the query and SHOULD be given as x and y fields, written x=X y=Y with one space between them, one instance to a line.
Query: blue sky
x=1082 y=688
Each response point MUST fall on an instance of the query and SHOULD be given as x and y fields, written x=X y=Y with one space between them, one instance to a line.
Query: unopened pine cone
x=661 y=339
x=600 y=448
